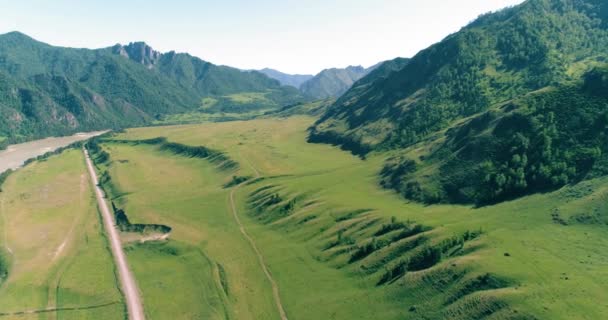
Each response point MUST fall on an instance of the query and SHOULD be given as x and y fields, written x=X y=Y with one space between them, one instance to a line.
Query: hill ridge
x=47 y=90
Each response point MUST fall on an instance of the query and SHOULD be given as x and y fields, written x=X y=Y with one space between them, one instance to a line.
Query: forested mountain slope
x=534 y=143
x=47 y=90
x=513 y=104
x=498 y=57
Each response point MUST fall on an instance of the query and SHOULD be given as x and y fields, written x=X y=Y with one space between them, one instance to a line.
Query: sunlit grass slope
x=340 y=247
x=53 y=244
x=206 y=270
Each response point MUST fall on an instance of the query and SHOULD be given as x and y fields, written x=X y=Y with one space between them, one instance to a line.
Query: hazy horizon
x=289 y=36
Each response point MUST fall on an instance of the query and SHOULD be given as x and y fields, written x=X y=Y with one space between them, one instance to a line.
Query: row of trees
x=428 y=256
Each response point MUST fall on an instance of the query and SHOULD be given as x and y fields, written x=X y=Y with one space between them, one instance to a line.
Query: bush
x=236 y=180
x=392 y=226
x=367 y=249
x=3 y=177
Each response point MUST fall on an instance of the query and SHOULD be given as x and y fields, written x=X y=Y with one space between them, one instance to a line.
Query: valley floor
x=54 y=248
x=317 y=224
x=525 y=263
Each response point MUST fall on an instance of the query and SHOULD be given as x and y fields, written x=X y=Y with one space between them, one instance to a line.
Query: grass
x=238 y=98
x=233 y=107
x=182 y=270
x=248 y=97
x=208 y=102
x=59 y=255
x=524 y=264
x=206 y=117
x=151 y=187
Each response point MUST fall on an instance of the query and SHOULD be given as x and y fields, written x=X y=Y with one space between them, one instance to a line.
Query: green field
x=53 y=245
x=204 y=117
x=336 y=243
x=238 y=106
x=150 y=187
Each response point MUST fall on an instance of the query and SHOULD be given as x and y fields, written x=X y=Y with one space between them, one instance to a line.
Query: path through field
x=275 y=287
x=5 y=227
x=127 y=281
x=54 y=310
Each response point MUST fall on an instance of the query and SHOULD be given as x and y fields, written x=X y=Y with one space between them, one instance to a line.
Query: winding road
x=275 y=287
x=135 y=308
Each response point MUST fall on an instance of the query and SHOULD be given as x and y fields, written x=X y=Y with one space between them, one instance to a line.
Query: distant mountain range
x=294 y=80
x=332 y=83
x=329 y=83
x=47 y=90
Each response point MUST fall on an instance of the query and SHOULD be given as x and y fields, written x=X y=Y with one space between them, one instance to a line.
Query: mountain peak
x=17 y=36
x=332 y=83
x=294 y=80
x=357 y=68
x=139 y=52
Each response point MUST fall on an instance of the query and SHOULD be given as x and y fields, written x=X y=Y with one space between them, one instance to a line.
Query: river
x=15 y=155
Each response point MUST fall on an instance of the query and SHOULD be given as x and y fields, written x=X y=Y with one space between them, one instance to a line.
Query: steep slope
x=46 y=90
x=331 y=83
x=380 y=70
x=496 y=58
x=191 y=72
x=294 y=80
x=535 y=143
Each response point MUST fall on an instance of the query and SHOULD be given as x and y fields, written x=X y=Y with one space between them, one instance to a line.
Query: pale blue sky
x=293 y=36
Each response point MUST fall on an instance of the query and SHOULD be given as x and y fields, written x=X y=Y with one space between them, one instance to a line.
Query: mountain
x=332 y=83
x=538 y=142
x=294 y=80
x=327 y=84
x=139 y=52
x=510 y=75
x=47 y=90
x=191 y=72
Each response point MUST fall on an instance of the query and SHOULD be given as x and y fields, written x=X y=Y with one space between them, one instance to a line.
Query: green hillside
x=498 y=57
x=46 y=90
x=511 y=105
x=537 y=142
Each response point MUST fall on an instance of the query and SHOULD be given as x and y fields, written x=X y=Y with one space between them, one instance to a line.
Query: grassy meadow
x=337 y=245
x=53 y=245
x=323 y=225
x=186 y=277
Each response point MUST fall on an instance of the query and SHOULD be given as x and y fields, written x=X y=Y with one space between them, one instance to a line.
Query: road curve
x=135 y=309
x=275 y=287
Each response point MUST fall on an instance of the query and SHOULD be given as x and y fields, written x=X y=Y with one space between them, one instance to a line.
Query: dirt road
x=127 y=281
x=275 y=287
